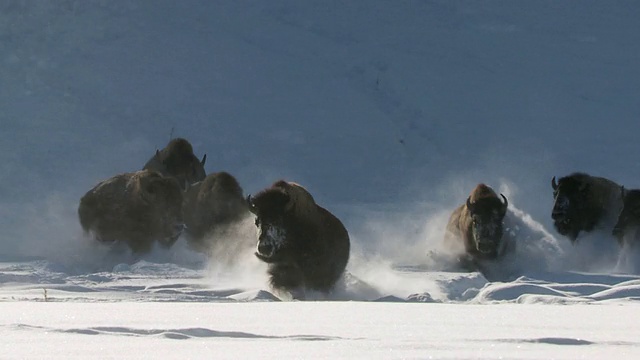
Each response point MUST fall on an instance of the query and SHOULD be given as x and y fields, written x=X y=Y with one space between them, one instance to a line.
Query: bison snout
x=265 y=249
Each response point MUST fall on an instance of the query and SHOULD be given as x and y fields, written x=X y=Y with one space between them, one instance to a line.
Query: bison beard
x=304 y=245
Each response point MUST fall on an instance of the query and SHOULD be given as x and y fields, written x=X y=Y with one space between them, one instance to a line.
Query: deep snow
x=388 y=112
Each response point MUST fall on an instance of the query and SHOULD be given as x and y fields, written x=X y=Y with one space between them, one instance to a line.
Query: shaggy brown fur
x=585 y=203
x=212 y=204
x=475 y=229
x=305 y=246
x=135 y=208
x=178 y=161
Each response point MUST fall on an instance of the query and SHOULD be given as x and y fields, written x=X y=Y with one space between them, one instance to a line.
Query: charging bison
x=305 y=246
x=210 y=205
x=135 y=208
x=178 y=161
x=583 y=203
x=475 y=229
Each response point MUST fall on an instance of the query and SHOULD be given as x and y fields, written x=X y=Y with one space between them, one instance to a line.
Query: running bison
x=210 y=205
x=135 y=208
x=584 y=203
x=475 y=229
x=629 y=218
x=178 y=161
x=305 y=246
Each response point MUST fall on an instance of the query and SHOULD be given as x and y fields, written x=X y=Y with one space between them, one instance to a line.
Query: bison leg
x=289 y=278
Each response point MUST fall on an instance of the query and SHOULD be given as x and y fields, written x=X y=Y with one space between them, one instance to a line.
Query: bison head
x=487 y=215
x=571 y=203
x=270 y=209
x=630 y=214
x=178 y=161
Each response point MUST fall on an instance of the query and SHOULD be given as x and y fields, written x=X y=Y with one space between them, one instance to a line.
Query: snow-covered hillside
x=388 y=112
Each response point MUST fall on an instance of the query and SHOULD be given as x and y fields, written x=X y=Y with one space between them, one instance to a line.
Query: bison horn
x=506 y=202
x=554 y=185
x=204 y=159
x=252 y=206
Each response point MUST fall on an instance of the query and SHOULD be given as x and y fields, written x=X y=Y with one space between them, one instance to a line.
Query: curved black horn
x=506 y=202
x=204 y=159
x=252 y=206
x=554 y=185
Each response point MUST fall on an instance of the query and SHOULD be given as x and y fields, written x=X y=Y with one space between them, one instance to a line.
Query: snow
x=387 y=112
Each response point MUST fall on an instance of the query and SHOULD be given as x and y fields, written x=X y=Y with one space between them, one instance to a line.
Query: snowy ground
x=388 y=112
x=317 y=330
x=151 y=310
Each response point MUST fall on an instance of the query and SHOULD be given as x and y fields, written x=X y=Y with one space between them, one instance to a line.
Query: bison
x=211 y=205
x=178 y=161
x=305 y=246
x=475 y=230
x=135 y=208
x=584 y=203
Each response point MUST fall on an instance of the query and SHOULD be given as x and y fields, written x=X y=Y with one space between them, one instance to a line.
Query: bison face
x=629 y=215
x=272 y=239
x=570 y=199
x=270 y=220
x=487 y=217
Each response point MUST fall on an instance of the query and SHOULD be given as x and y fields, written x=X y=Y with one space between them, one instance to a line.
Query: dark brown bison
x=135 y=208
x=178 y=161
x=629 y=218
x=475 y=230
x=583 y=203
x=211 y=205
x=305 y=246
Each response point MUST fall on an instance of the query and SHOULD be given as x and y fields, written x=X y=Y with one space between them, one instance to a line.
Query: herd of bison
x=305 y=246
